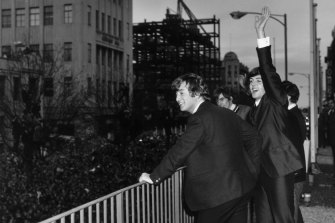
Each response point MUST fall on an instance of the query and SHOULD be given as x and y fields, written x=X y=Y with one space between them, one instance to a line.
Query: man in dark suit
x=226 y=97
x=274 y=197
x=330 y=123
x=218 y=179
x=298 y=131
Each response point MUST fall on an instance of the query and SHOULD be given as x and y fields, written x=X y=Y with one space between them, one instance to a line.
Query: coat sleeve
x=271 y=80
x=177 y=155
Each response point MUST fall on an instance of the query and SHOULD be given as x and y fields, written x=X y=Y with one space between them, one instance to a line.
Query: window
x=68 y=16
x=48 y=52
x=103 y=22
x=6 y=51
x=5 y=18
x=97 y=20
x=67 y=86
x=34 y=16
x=114 y=27
x=2 y=87
x=89 y=52
x=89 y=86
x=109 y=25
x=89 y=15
x=48 y=15
x=103 y=57
x=68 y=51
x=35 y=48
x=128 y=31
x=19 y=17
x=120 y=29
x=109 y=93
x=17 y=88
x=109 y=58
x=97 y=90
x=97 y=56
x=128 y=63
x=103 y=91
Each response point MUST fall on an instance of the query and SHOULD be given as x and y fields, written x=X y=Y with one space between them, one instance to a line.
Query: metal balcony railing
x=139 y=203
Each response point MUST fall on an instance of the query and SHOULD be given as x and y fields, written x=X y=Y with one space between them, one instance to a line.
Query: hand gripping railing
x=139 y=203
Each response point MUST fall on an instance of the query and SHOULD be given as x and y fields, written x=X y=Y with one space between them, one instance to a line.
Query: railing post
x=177 y=198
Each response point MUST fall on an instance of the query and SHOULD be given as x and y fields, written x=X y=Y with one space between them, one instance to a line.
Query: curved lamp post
x=239 y=14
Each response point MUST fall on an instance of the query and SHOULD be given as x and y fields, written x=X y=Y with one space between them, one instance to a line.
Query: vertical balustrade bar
x=176 y=198
x=90 y=214
x=127 y=206
x=82 y=216
x=169 y=200
x=157 y=203
x=165 y=202
x=105 y=211
x=138 y=211
x=148 y=202
x=132 y=205
x=152 y=192
x=143 y=203
x=119 y=208
x=97 y=212
x=112 y=209
x=72 y=217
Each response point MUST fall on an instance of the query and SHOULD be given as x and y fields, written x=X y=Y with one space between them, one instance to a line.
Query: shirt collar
x=197 y=106
x=290 y=106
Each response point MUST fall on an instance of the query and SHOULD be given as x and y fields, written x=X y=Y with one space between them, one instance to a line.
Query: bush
x=79 y=171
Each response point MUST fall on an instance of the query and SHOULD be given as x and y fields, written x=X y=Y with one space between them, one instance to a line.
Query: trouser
x=234 y=211
x=298 y=187
x=274 y=199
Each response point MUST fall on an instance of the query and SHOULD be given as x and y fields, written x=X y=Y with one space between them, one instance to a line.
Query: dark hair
x=227 y=92
x=195 y=83
x=291 y=90
x=255 y=71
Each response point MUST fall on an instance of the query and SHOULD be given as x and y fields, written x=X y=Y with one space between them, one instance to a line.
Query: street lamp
x=303 y=74
x=239 y=14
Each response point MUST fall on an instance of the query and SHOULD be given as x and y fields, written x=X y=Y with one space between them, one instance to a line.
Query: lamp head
x=237 y=14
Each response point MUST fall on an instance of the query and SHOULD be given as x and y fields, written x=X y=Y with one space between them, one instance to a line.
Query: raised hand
x=260 y=22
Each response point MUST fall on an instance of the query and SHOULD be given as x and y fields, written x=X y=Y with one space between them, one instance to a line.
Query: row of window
x=104 y=24
x=34 y=16
x=48 y=51
x=101 y=88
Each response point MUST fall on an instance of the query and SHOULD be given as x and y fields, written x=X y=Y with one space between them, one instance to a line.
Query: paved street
x=321 y=208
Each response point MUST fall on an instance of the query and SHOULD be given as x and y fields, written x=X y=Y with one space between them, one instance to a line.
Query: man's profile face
x=184 y=99
x=256 y=87
x=222 y=101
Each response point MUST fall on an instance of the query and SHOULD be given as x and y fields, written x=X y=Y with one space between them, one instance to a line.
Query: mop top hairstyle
x=227 y=92
x=252 y=73
x=194 y=83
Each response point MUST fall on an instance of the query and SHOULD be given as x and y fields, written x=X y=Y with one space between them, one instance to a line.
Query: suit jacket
x=212 y=149
x=279 y=155
x=242 y=111
x=330 y=120
x=298 y=131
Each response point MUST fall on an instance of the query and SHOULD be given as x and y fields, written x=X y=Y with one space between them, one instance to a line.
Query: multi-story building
x=232 y=68
x=93 y=37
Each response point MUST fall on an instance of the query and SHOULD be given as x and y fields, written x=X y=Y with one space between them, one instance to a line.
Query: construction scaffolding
x=164 y=50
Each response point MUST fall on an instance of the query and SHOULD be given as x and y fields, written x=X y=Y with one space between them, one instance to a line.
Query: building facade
x=231 y=69
x=94 y=38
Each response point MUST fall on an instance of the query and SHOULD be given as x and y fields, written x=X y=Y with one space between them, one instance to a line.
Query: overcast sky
x=239 y=35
